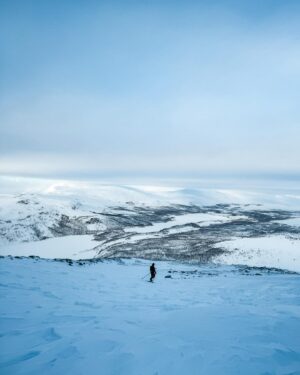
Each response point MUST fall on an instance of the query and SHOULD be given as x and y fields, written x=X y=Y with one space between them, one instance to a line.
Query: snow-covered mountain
x=197 y=225
x=225 y=299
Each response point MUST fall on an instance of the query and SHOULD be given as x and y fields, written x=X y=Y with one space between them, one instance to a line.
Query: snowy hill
x=216 y=306
x=197 y=225
x=104 y=318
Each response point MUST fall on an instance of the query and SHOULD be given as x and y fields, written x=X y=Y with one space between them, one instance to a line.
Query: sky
x=179 y=89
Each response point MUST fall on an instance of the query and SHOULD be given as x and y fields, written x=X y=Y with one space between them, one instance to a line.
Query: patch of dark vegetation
x=24 y=201
x=93 y=220
x=221 y=271
x=193 y=273
x=67 y=226
x=34 y=257
x=198 y=244
x=246 y=270
x=65 y=260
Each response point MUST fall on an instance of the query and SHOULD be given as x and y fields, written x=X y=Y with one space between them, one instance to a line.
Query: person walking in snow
x=152 y=272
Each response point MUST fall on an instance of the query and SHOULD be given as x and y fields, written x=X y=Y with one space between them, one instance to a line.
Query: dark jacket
x=152 y=270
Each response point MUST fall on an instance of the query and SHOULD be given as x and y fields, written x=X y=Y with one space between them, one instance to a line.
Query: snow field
x=270 y=251
x=104 y=319
x=71 y=247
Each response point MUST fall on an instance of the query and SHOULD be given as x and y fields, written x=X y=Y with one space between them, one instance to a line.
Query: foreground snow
x=104 y=319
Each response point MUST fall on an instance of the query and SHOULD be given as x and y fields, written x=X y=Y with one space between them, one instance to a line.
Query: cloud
x=164 y=88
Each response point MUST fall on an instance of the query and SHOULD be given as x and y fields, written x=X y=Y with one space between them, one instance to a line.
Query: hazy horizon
x=31 y=185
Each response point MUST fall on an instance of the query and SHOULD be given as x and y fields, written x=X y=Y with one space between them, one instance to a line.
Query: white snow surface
x=272 y=251
x=94 y=194
x=295 y=222
x=105 y=319
x=71 y=247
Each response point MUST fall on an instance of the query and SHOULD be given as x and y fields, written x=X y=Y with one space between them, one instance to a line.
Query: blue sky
x=158 y=88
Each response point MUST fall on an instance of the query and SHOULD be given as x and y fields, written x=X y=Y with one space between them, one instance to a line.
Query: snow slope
x=270 y=251
x=71 y=247
x=293 y=221
x=104 y=319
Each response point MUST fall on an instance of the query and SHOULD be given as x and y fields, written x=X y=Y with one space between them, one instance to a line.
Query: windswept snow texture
x=103 y=318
